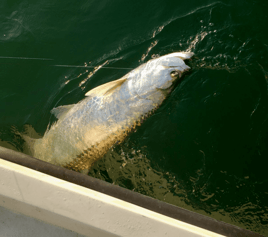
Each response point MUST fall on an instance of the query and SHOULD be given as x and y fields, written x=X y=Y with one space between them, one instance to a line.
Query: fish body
x=85 y=131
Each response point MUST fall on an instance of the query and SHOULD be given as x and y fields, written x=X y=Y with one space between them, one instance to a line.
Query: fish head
x=168 y=69
x=160 y=73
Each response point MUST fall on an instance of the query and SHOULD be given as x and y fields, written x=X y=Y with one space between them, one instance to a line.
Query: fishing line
x=47 y=59
x=75 y=66
x=127 y=68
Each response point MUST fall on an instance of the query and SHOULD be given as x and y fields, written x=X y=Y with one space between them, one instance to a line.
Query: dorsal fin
x=61 y=110
x=106 y=88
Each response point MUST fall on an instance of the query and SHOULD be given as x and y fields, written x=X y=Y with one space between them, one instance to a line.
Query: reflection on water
x=129 y=167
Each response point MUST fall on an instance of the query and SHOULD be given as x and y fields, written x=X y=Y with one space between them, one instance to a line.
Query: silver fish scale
x=93 y=125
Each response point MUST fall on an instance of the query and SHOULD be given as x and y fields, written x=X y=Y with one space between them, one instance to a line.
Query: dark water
x=205 y=149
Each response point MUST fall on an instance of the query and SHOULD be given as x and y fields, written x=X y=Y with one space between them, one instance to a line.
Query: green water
x=205 y=149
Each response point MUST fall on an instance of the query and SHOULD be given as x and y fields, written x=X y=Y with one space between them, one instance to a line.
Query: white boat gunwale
x=102 y=187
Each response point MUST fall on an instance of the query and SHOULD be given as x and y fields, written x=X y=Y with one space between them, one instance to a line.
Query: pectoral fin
x=165 y=92
x=106 y=88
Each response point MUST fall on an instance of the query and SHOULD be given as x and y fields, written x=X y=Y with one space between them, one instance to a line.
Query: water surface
x=205 y=149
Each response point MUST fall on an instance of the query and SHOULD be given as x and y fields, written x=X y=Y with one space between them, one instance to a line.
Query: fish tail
x=29 y=144
x=30 y=138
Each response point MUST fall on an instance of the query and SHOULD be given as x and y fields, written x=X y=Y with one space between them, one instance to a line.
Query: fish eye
x=174 y=73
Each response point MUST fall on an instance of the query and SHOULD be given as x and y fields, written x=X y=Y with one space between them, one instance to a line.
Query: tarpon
x=85 y=131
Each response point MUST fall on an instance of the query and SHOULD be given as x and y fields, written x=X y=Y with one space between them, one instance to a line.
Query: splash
x=153 y=44
x=198 y=38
